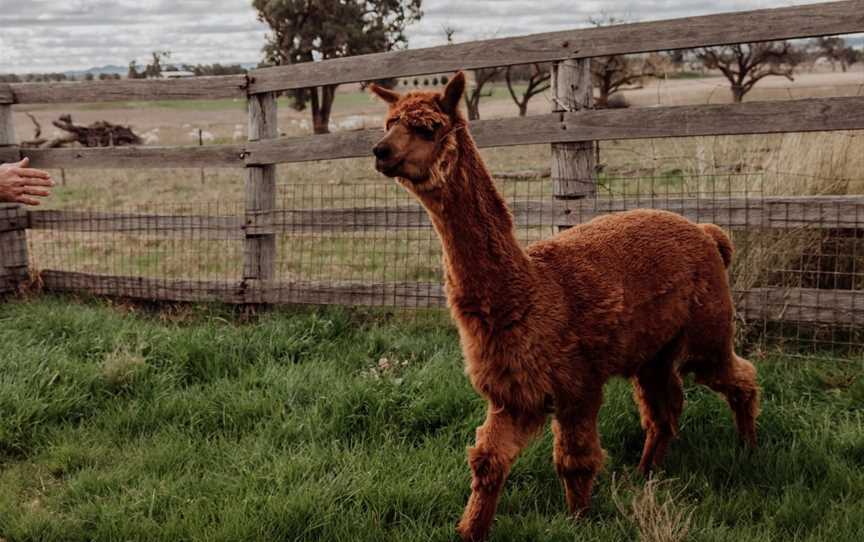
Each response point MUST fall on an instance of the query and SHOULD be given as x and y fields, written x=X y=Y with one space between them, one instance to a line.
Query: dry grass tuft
x=121 y=368
x=658 y=515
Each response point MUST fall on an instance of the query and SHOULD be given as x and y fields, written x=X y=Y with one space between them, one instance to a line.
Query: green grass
x=120 y=424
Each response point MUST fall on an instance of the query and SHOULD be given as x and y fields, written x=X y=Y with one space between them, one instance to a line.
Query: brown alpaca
x=642 y=294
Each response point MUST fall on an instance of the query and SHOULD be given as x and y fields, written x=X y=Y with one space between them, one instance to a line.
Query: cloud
x=46 y=35
x=479 y=19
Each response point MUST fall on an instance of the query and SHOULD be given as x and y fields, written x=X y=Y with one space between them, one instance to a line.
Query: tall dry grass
x=657 y=513
x=797 y=164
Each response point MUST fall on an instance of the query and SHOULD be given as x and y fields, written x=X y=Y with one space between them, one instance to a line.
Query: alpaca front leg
x=577 y=453
x=499 y=441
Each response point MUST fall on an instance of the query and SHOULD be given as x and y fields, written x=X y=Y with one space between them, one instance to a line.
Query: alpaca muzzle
x=385 y=162
x=390 y=169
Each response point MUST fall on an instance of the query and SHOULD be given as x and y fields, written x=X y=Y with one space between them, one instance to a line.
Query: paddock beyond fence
x=798 y=275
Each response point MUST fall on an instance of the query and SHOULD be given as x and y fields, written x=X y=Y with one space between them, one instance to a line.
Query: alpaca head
x=420 y=145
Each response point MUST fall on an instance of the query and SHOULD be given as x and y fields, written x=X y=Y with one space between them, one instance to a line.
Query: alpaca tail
x=724 y=244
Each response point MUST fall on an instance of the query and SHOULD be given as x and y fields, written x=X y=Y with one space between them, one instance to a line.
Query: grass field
x=192 y=424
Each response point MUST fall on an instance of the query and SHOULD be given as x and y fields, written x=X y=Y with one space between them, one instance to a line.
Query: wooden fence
x=571 y=128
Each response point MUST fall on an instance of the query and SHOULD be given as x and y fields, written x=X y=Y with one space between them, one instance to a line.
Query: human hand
x=22 y=184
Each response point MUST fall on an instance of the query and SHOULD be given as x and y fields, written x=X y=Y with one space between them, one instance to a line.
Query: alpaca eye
x=425 y=133
x=391 y=122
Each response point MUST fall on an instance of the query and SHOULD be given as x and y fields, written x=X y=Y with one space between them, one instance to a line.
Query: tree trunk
x=523 y=108
x=472 y=104
x=738 y=94
x=602 y=100
x=322 y=107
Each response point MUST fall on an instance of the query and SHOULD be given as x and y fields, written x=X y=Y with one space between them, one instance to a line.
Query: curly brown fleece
x=642 y=295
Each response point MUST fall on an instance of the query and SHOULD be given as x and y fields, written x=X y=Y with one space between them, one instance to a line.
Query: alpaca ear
x=385 y=94
x=453 y=93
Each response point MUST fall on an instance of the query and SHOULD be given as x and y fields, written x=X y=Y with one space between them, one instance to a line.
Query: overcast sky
x=60 y=35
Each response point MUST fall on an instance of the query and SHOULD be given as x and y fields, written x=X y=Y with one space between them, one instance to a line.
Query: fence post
x=13 y=237
x=573 y=164
x=260 y=250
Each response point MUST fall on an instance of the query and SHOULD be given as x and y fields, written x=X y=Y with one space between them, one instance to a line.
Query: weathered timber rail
x=787 y=304
x=789 y=212
x=806 y=115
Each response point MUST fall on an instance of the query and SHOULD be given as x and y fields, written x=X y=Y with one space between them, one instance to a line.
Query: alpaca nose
x=381 y=151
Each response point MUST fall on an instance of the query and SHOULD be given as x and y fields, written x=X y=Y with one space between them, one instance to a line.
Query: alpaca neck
x=488 y=273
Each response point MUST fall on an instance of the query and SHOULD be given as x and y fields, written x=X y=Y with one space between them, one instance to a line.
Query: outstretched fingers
x=30 y=173
x=24 y=191
x=27 y=200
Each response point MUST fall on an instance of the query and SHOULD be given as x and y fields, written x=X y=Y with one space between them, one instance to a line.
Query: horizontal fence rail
x=210 y=156
x=707 y=30
x=242 y=292
x=206 y=227
x=805 y=115
x=811 y=305
x=9 y=154
x=814 y=114
x=776 y=304
x=787 y=212
x=192 y=88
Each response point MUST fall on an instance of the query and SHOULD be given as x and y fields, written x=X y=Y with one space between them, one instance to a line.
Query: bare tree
x=850 y=56
x=449 y=31
x=835 y=50
x=610 y=73
x=154 y=68
x=482 y=77
x=536 y=76
x=746 y=64
x=133 y=72
x=677 y=58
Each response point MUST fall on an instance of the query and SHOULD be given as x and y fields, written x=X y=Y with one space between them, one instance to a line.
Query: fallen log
x=98 y=134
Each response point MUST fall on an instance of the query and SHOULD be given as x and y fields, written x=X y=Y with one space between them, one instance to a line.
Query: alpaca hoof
x=579 y=512
x=578 y=504
x=467 y=534
x=647 y=468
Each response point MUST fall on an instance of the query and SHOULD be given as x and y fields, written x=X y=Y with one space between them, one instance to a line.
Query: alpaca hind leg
x=499 y=441
x=659 y=392
x=577 y=454
x=736 y=381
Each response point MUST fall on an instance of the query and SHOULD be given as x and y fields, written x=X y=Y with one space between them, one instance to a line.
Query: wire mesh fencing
x=164 y=251
x=361 y=240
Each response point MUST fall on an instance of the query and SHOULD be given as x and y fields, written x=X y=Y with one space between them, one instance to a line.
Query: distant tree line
x=155 y=67
x=743 y=65
x=54 y=77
